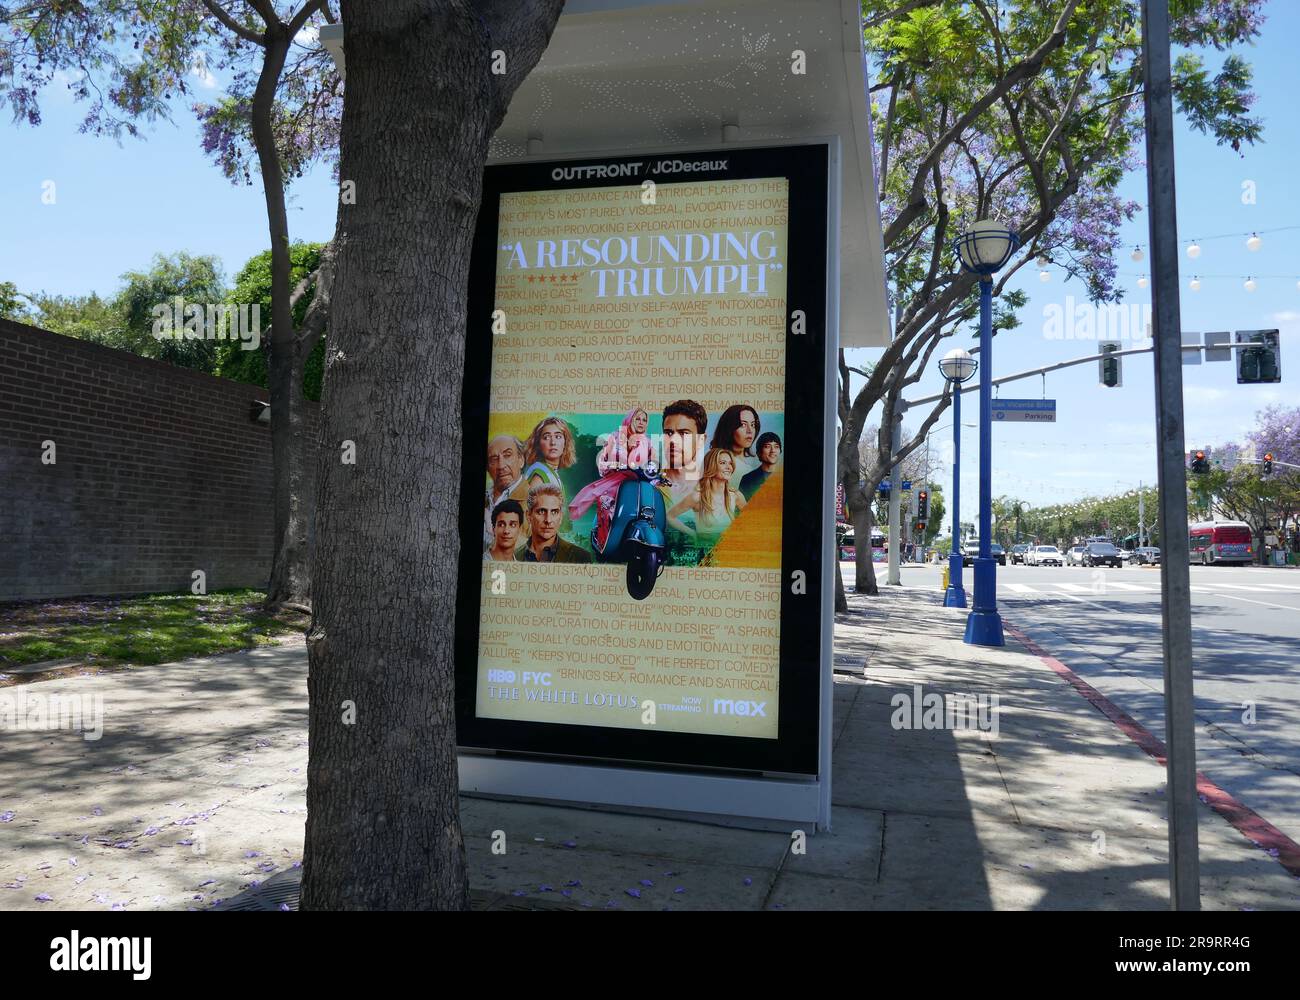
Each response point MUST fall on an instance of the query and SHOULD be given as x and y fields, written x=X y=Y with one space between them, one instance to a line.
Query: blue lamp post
x=983 y=250
x=957 y=367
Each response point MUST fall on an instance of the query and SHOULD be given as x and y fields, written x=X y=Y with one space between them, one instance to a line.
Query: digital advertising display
x=642 y=460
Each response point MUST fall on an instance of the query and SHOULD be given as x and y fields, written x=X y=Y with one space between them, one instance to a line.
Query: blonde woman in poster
x=713 y=501
x=549 y=449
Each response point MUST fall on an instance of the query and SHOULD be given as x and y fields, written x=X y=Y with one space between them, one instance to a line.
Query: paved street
x=1105 y=625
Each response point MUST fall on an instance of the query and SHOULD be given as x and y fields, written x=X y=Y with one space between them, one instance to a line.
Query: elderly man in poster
x=505 y=461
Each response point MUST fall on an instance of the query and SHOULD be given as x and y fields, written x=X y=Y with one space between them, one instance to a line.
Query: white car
x=1075 y=556
x=1046 y=555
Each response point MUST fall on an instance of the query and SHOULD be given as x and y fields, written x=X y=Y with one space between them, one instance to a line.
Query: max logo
x=725 y=706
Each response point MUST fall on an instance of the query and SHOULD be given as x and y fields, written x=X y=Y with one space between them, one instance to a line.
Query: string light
x=1142 y=282
x=1250 y=285
x=1194 y=250
x=1254 y=243
x=1194 y=284
x=1043 y=260
x=1044 y=276
x=1137 y=254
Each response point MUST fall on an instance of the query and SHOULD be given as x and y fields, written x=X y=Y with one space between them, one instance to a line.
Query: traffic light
x=1199 y=464
x=1261 y=362
x=1110 y=371
x=922 y=506
x=920 y=527
x=1268 y=464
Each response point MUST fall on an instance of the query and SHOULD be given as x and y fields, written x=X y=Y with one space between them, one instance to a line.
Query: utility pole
x=895 y=501
x=1175 y=583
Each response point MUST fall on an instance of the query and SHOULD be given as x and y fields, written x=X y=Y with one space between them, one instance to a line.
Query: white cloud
x=1286 y=316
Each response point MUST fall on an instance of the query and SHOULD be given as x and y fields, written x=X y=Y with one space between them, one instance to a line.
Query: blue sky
x=117 y=205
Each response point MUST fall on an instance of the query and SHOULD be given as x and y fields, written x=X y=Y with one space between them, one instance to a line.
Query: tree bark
x=841 y=599
x=383 y=825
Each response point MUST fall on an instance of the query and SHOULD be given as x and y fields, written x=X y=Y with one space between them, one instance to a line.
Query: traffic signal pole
x=1175 y=582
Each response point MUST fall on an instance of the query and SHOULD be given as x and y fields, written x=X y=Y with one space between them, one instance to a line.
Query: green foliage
x=13 y=304
x=196 y=280
x=86 y=317
x=253 y=285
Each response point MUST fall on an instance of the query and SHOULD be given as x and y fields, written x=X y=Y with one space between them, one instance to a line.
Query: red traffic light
x=1200 y=455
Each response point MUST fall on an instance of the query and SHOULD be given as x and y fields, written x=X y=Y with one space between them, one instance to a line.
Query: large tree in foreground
x=383 y=821
x=1029 y=111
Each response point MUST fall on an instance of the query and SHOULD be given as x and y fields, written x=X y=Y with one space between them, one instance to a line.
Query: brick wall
x=159 y=471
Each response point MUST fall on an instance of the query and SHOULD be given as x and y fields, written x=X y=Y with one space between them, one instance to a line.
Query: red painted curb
x=1245 y=820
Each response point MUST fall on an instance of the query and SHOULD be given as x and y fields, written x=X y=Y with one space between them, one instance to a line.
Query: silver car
x=1047 y=555
x=1075 y=556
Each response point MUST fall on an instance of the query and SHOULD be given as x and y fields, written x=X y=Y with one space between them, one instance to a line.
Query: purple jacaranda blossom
x=748 y=880
x=634 y=893
x=545 y=888
x=187 y=842
x=285 y=908
x=98 y=811
x=210 y=881
x=680 y=888
x=150 y=831
x=7 y=816
x=72 y=862
x=568 y=843
x=519 y=892
x=252 y=854
x=647 y=883
x=44 y=866
x=576 y=883
x=566 y=892
x=43 y=897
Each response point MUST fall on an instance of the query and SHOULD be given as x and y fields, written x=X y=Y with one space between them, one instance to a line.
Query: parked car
x=1074 y=557
x=998 y=553
x=1046 y=555
x=1017 y=554
x=1147 y=555
x=1102 y=554
x=1127 y=555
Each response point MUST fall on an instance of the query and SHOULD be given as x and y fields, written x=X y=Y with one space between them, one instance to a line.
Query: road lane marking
x=1019 y=588
x=1284 y=607
x=1133 y=589
x=1078 y=588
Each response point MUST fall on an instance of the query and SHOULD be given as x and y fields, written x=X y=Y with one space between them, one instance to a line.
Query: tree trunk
x=285 y=371
x=841 y=599
x=295 y=491
x=383 y=824
x=864 y=565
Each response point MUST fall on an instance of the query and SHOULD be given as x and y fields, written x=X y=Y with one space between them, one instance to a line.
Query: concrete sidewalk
x=196 y=792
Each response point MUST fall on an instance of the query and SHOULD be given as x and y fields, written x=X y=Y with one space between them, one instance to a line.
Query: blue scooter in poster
x=637 y=531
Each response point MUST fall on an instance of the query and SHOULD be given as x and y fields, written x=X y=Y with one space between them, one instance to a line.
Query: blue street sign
x=907 y=485
x=1026 y=410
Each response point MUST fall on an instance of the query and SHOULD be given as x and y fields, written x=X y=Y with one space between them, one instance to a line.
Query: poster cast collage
x=546 y=494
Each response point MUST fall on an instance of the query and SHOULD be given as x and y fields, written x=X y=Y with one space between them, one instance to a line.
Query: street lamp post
x=983 y=250
x=957 y=366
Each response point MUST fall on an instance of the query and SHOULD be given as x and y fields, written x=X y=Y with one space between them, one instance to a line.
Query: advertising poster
x=634 y=458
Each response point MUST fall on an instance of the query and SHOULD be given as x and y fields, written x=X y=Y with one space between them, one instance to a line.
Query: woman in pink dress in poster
x=627 y=449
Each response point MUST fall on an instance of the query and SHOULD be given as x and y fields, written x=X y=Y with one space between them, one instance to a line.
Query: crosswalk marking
x=1048 y=588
